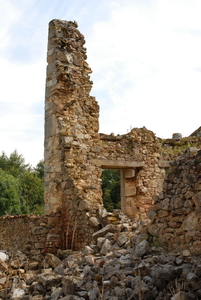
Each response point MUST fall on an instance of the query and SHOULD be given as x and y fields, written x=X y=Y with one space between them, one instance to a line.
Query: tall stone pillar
x=72 y=184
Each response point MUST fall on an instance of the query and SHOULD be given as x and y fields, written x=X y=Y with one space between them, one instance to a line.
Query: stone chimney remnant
x=71 y=121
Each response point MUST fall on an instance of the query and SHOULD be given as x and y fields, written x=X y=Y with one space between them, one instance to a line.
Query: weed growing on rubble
x=67 y=234
x=156 y=242
x=171 y=149
x=73 y=236
x=139 y=285
x=179 y=287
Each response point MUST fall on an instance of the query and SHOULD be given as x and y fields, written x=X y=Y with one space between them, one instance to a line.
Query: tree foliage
x=111 y=189
x=9 y=194
x=14 y=165
x=32 y=191
x=21 y=187
x=40 y=169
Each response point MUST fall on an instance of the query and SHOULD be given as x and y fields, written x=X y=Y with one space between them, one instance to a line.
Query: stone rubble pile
x=120 y=263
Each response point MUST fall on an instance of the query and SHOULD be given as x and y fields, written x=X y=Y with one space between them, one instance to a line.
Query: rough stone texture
x=71 y=123
x=125 y=259
x=176 y=214
x=72 y=183
x=75 y=152
x=138 y=184
x=33 y=235
x=135 y=270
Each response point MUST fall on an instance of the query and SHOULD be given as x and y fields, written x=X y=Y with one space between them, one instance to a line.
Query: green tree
x=32 y=192
x=10 y=200
x=29 y=185
x=111 y=189
x=14 y=165
x=40 y=169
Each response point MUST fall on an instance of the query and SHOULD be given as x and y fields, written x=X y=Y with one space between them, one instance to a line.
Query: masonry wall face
x=71 y=122
x=33 y=235
x=75 y=153
x=176 y=214
x=141 y=183
x=72 y=141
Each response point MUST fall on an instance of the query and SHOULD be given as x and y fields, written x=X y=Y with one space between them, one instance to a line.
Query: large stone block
x=129 y=173
x=197 y=199
x=130 y=190
x=190 y=222
x=130 y=210
x=50 y=126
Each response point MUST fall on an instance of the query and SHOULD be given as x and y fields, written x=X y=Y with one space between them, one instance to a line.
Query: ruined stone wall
x=75 y=153
x=74 y=150
x=176 y=214
x=33 y=235
x=137 y=154
x=71 y=122
x=72 y=183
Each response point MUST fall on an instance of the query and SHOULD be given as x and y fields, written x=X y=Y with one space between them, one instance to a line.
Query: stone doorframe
x=128 y=191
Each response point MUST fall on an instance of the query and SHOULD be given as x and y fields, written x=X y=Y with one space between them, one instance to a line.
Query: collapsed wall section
x=176 y=214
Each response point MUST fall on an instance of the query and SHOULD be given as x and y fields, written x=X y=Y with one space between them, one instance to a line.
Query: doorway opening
x=111 y=191
x=119 y=190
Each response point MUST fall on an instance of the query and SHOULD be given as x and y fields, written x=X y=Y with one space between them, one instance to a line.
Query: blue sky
x=145 y=57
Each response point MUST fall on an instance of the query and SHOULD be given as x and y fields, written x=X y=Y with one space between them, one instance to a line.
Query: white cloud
x=22 y=83
x=9 y=15
x=178 y=14
x=145 y=57
x=148 y=66
x=23 y=132
x=21 y=123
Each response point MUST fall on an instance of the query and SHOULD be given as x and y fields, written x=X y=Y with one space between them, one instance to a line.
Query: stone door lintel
x=117 y=164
